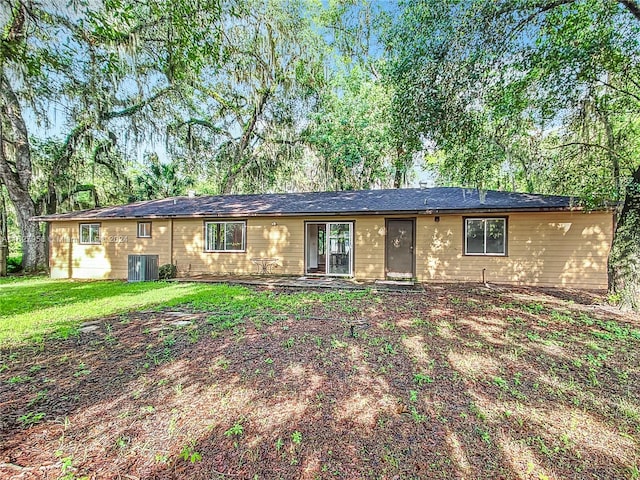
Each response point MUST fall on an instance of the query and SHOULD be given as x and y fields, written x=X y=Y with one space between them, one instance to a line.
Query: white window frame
x=327 y=247
x=225 y=223
x=144 y=223
x=90 y=227
x=485 y=253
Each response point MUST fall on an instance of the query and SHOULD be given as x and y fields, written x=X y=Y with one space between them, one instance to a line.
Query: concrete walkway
x=275 y=281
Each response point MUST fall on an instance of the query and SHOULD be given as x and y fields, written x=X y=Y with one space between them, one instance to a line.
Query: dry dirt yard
x=456 y=381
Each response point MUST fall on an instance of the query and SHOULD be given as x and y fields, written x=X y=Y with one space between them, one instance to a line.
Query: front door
x=399 y=248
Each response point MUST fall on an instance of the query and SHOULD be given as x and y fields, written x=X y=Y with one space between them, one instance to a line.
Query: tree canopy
x=113 y=100
x=530 y=96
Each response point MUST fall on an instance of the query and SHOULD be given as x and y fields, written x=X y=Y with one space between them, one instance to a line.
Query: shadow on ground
x=458 y=381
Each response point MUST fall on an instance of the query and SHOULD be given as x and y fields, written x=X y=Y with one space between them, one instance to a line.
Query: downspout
x=50 y=247
x=171 y=241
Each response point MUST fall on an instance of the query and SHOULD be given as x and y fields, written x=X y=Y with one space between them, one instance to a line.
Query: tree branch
x=103 y=148
x=127 y=112
x=632 y=6
x=588 y=145
x=617 y=89
x=68 y=149
x=539 y=8
x=240 y=162
x=203 y=123
x=278 y=141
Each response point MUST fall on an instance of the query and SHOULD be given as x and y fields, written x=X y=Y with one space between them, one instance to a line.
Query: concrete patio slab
x=274 y=281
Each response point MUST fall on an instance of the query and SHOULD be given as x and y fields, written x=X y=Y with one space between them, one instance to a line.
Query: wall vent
x=142 y=268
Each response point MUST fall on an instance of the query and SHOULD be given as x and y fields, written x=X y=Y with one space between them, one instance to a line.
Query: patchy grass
x=31 y=309
x=215 y=381
x=40 y=307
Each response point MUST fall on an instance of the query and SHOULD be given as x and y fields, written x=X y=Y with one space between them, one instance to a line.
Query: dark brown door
x=399 y=248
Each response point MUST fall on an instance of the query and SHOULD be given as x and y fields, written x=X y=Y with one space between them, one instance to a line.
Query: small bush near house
x=167 y=271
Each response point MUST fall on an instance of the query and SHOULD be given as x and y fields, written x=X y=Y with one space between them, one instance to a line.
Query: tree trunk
x=15 y=173
x=34 y=245
x=400 y=175
x=624 y=259
x=4 y=235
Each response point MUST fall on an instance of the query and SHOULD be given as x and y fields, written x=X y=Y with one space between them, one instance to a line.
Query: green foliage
x=422 y=379
x=514 y=95
x=67 y=469
x=501 y=382
x=240 y=129
x=31 y=418
x=18 y=379
x=167 y=271
x=352 y=132
x=528 y=96
x=161 y=180
x=236 y=430
x=189 y=454
x=296 y=438
x=35 y=307
x=14 y=264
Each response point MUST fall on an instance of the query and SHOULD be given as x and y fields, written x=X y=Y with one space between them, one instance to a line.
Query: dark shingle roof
x=409 y=200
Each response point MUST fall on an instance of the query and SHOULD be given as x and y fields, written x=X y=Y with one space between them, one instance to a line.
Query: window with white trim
x=144 y=229
x=90 y=233
x=485 y=236
x=224 y=236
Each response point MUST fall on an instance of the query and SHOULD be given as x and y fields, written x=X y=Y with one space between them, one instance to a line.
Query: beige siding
x=546 y=249
x=369 y=249
x=282 y=241
x=70 y=259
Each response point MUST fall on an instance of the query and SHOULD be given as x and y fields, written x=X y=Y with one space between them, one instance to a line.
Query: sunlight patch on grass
x=404 y=322
x=37 y=322
x=356 y=355
x=15 y=281
x=522 y=458
x=302 y=377
x=490 y=329
x=278 y=412
x=629 y=409
x=415 y=346
x=311 y=466
x=553 y=350
x=364 y=409
x=489 y=408
x=445 y=330
x=473 y=365
x=560 y=388
x=582 y=433
x=297 y=371
x=34 y=308
x=440 y=312
x=458 y=453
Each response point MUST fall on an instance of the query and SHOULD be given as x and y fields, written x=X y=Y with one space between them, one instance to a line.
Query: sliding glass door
x=329 y=248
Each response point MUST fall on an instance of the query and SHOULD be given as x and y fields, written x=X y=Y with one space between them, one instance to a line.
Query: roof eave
x=494 y=210
x=435 y=211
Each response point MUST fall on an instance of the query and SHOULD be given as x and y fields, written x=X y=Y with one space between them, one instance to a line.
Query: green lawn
x=34 y=307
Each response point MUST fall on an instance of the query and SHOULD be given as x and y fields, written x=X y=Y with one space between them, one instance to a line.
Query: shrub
x=14 y=264
x=167 y=271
